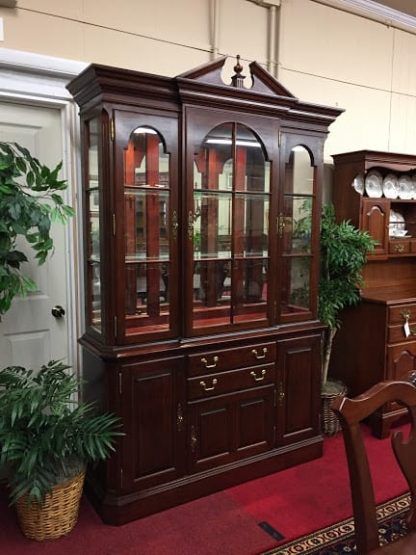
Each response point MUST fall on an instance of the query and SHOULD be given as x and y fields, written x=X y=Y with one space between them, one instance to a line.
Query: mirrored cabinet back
x=201 y=223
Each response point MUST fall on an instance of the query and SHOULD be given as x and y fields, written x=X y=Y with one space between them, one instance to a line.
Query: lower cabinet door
x=299 y=382
x=401 y=361
x=230 y=427
x=153 y=406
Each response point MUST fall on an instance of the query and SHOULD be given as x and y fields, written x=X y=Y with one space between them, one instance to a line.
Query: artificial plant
x=344 y=250
x=46 y=437
x=30 y=200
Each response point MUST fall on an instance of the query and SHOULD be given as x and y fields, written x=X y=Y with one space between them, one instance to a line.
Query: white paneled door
x=30 y=335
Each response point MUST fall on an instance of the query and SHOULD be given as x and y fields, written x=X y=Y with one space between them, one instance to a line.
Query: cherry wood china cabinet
x=202 y=204
x=377 y=340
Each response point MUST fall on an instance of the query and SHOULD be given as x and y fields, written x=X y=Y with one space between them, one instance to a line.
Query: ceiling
x=406 y=6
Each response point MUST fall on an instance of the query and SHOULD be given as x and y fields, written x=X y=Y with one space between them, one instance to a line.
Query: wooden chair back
x=350 y=413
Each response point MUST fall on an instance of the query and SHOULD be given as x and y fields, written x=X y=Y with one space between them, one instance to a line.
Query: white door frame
x=40 y=81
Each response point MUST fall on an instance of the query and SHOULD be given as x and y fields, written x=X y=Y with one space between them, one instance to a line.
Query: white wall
x=325 y=55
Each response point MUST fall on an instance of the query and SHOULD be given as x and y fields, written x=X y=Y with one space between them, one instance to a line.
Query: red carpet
x=295 y=502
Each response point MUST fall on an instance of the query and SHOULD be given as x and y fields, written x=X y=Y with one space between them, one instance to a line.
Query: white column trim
x=375 y=11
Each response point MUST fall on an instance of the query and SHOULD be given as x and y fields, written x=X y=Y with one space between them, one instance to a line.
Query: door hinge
x=114 y=223
x=120 y=383
x=115 y=326
x=112 y=130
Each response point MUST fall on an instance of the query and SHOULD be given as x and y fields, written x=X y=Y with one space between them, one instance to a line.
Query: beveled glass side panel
x=212 y=224
x=297 y=224
x=94 y=224
x=94 y=279
x=252 y=171
x=213 y=164
x=93 y=217
x=251 y=224
x=141 y=206
x=211 y=293
x=296 y=295
x=147 y=226
x=251 y=278
x=299 y=175
x=147 y=297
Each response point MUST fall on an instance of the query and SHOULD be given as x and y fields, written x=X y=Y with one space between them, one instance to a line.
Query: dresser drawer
x=211 y=385
x=399 y=313
x=396 y=333
x=399 y=247
x=227 y=359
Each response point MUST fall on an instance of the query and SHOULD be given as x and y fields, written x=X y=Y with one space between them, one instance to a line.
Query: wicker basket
x=58 y=514
x=329 y=421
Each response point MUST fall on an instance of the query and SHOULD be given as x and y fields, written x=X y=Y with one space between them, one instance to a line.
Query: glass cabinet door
x=94 y=314
x=228 y=225
x=148 y=223
x=295 y=222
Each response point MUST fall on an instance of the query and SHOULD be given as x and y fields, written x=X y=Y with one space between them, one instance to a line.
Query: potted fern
x=344 y=250
x=47 y=439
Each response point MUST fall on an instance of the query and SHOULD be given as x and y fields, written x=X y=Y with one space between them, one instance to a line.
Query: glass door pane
x=295 y=230
x=146 y=220
x=229 y=227
x=93 y=206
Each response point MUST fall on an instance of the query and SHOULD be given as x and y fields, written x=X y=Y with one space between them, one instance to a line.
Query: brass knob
x=58 y=311
x=398 y=248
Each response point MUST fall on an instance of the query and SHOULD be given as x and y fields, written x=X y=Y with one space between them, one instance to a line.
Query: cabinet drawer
x=227 y=359
x=399 y=247
x=396 y=333
x=399 y=313
x=211 y=385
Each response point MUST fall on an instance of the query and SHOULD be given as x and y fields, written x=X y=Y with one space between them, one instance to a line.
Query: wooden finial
x=237 y=79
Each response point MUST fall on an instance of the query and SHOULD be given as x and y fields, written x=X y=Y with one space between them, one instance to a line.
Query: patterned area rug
x=338 y=539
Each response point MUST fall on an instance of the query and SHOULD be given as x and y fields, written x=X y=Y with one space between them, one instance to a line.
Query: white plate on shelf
x=358 y=183
x=374 y=184
x=397 y=224
x=391 y=186
x=413 y=187
x=405 y=187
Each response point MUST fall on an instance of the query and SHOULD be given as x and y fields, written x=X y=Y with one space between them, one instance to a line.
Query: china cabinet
x=201 y=225
x=377 y=340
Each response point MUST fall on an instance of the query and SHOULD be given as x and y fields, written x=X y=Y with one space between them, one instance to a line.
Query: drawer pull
x=405 y=315
x=205 y=362
x=413 y=330
x=204 y=385
x=398 y=248
x=258 y=355
x=258 y=378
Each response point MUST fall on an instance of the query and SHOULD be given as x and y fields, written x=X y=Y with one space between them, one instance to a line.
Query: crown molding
x=375 y=11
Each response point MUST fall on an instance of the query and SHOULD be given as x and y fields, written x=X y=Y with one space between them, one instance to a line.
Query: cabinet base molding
x=120 y=509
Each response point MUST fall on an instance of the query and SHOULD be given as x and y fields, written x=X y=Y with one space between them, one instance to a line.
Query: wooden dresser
x=377 y=340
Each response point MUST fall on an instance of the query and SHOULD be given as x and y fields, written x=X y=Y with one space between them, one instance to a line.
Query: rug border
x=343 y=527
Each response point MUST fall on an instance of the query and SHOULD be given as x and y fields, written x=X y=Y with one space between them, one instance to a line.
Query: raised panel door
x=375 y=220
x=153 y=409
x=298 y=362
x=227 y=428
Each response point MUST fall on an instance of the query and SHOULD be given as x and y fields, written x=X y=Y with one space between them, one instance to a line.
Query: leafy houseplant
x=45 y=436
x=344 y=249
x=30 y=201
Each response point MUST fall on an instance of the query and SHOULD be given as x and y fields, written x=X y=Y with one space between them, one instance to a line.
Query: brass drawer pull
x=413 y=330
x=205 y=361
x=259 y=356
x=258 y=378
x=204 y=385
x=405 y=315
x=398 y=248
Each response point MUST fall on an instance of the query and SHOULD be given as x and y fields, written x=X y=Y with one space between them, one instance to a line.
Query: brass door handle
x=258 y=378
x=204 y=385
x=259 y=356
x=205 y=362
